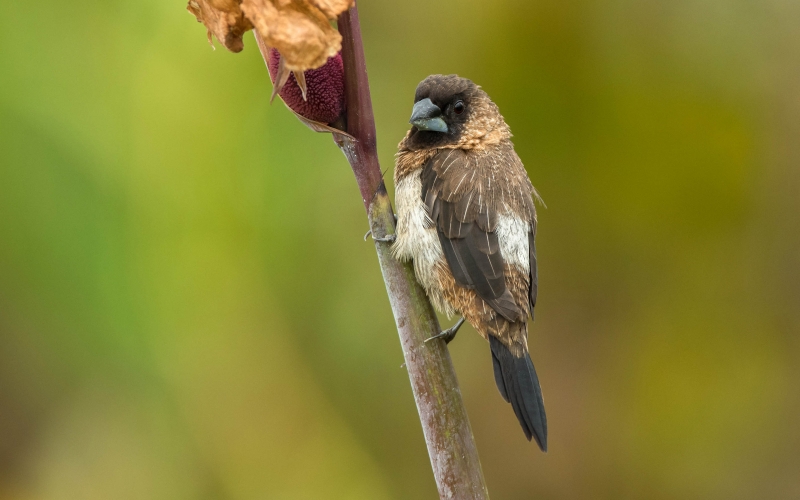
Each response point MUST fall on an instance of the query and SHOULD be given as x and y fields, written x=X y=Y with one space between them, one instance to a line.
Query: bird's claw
x=449 y=334
x=446 y=335
x=389 y=238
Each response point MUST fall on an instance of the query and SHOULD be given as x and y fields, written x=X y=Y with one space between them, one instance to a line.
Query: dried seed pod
x=323 y=100
x=300 y=31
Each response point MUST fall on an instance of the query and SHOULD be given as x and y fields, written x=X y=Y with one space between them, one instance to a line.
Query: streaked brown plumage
x=467 y=219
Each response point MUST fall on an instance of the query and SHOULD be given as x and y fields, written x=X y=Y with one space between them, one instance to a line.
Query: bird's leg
x=389 y=238
x=449 y=334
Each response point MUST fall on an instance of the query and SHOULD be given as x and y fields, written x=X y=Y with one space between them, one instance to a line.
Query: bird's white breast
x=417 y=238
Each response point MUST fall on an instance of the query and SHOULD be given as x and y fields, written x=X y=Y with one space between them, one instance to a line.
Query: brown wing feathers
x=534 y=272
x=466 y=223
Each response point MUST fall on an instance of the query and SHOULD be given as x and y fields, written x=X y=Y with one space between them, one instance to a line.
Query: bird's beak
x=427 y=116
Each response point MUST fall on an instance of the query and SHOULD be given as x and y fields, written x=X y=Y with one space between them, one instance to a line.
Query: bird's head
x=450 y=111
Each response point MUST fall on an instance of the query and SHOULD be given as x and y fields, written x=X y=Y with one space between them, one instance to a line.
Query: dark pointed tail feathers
x=518 y=384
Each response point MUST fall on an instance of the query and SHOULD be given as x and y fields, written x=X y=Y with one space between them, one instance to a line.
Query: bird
x=466 y=218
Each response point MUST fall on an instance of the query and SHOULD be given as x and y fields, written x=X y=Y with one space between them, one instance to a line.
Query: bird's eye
x=458 y=107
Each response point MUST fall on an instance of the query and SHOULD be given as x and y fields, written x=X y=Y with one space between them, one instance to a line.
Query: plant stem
x=448 y=435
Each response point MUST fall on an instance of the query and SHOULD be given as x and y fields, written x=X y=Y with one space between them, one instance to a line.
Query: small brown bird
x=465 y=216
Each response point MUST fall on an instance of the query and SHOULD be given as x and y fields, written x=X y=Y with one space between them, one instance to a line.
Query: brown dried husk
x=332 y=8
x=224 y=19
x=300 y=29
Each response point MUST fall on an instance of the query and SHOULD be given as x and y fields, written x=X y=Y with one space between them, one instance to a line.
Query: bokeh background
x=188 y=311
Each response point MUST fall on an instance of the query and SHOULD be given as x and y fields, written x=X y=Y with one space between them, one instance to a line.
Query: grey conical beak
x=427 y=116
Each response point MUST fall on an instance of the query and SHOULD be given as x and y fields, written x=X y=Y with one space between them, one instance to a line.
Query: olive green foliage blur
x=187 y=309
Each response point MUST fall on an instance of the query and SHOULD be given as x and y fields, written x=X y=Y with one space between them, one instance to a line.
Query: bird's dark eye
x=458 y=107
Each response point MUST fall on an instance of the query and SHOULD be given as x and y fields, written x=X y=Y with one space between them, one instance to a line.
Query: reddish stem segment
x=360 y=120
x=448 y=435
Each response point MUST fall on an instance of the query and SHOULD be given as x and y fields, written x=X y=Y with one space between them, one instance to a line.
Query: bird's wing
x=533 y=279
x=464 y=194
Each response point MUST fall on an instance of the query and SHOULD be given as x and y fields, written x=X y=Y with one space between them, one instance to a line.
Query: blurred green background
x=187 y=309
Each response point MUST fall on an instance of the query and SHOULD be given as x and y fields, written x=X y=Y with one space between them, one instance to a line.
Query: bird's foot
x=389 y=238
x=449 y=334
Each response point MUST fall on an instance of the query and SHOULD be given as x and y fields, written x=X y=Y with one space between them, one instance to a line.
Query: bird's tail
x=518 y=384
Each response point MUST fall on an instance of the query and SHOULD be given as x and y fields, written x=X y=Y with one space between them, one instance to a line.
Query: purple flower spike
x=324 y=99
